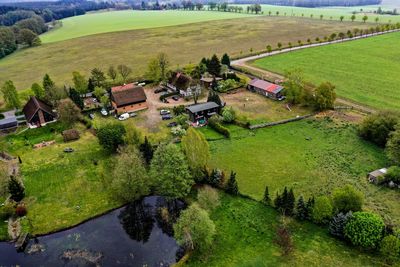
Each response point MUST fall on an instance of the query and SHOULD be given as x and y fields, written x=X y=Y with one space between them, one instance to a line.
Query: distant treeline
x=312 y=3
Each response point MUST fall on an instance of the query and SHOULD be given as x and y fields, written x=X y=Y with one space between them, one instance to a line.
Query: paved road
x=242 y=62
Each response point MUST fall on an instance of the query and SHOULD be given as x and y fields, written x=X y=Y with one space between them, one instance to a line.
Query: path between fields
x=242 y=63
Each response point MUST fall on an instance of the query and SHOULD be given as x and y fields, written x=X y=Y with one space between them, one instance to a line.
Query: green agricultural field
x=183 y=44
x=334 y=13
x=311 y=156
x=364 y=71
x=103 y=22
x=245 y=237
x=61 y=189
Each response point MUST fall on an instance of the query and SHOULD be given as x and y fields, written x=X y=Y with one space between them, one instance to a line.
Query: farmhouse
x=38 y=113
x=376 y=176
x=183 y=84
x=199 y=113
x=265 y=88
x=128 y=98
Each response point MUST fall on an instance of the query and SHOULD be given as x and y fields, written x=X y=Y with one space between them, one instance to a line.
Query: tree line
x=313 y=3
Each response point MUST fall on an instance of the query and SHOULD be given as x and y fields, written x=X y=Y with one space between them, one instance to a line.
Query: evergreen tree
x=290 y=203
x=91 y=86
x=267 y=199
x=232 y=186
x=226 y=60
x=278 y=202
x=147 y=150
x=309 y=206
x=216 y=178
x=48 y=83
x=16 y=189
x=38 y=91
x=10 y=95
x=214 y=66
x=301 y=209
x=337 y=224
x=75 y=97
x=214 y=97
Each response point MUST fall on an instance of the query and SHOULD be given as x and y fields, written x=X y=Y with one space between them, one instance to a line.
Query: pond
x=139 y=234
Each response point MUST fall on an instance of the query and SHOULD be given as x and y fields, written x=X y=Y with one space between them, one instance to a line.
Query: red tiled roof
x=266 y=86
x=128 y=94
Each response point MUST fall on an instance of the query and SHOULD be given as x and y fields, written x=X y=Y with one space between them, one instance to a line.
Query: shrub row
x=217 y=126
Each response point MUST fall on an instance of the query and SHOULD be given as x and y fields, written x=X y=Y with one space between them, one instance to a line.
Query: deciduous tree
x=322 y=210
x=10 y=95
x=112 y=73
x=170 y=172
x=196 y=149
x=111 y=136
x=364 y=229
x=347 y=199
x=393 y=146
x=68 y=112
x=38 y=91
x=80 y=82
x=124 y=71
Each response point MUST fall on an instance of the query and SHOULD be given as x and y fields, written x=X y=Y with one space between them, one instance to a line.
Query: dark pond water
x=139 y=234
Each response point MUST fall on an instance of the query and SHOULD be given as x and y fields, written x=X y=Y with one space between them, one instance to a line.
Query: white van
x=123 y=116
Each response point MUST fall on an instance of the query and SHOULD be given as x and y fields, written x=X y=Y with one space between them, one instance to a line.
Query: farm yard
x=312 y=156
x=183 y=44
x=364 y=71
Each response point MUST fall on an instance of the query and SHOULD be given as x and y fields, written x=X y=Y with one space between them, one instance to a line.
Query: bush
x=111 y=136
x=377 y=127
x=364 y=229
x=284 y=239
x=178 y=131
x=228 y=114
x=216 y=178
x=214 y=123
x=208 y=198
x=16 y=189
x=178 y=110
x=393 y=146
x=322 y=210
x=6 y=212
x=227 y=85
x=347 y=199
x=182 y=120
x=393 y=174
x=390 y=248
x=21 y=211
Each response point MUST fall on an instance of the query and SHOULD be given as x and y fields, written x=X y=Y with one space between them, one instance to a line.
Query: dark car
x=175 y=97
x=165 y=100
x=166 y=117
x=68 y=150
x=159 y=90
x=172 y=124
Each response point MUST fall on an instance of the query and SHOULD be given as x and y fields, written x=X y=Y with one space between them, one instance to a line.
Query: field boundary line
x=270 y=124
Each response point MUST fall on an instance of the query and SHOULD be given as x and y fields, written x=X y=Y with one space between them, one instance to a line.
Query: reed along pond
x=139 y=234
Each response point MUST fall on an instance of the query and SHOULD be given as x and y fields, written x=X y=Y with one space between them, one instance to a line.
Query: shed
x=376 y=176
x=8 y=123
x=70 y=135
x=265 y=88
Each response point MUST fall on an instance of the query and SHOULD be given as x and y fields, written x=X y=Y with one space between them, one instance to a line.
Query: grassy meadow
x=183 y=44
x=312 y=156
x=246 y=233
x=62 y=189
x=364 y=71
x=102 y=22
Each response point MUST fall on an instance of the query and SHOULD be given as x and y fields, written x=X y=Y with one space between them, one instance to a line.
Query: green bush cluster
x=215 y=123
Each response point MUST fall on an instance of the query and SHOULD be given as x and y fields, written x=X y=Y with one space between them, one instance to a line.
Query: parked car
x=164 y=112
x=91 y=116
x=159 y=90
x=68 y=150
x=166 y=117
x=123 y=116
x=175 y=97
x=104 y=112
x=132 y=114
x=165 y=100
x=172 y=124
x=142 y=84
x=281 y=98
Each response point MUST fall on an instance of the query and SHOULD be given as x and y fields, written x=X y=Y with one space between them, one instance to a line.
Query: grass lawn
x=183 y=44
x=61 y=189
x=365 y=71
x=282 y=156
x=103 y=22
x=246 y=233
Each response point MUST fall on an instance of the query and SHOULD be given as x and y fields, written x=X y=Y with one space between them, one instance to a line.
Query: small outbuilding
x=183 y=84
x=199 y=113
x=38 y=113
x=128 y=98
x=376 y=176
x=265 y=88
x=8 y=123
x=206 y=82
